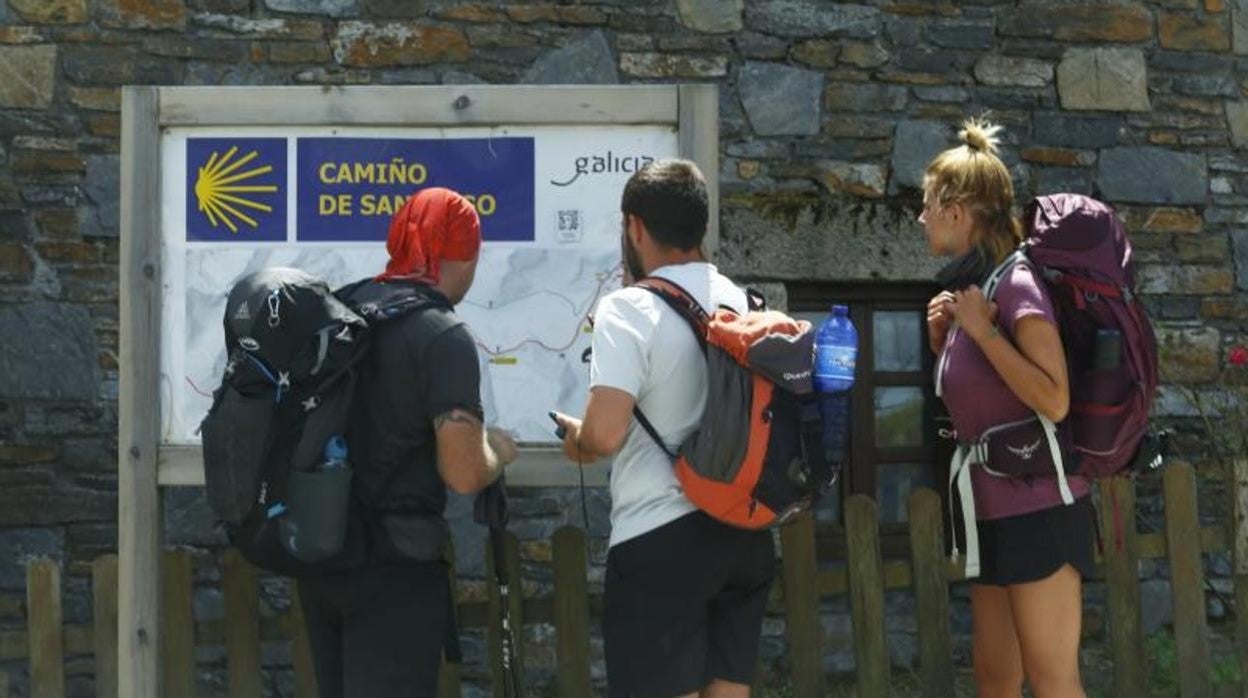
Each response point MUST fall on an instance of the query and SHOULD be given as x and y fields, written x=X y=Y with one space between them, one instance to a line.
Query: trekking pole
x=490 y=509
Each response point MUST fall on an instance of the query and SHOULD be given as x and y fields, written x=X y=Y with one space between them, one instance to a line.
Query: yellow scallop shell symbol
x=221 y=189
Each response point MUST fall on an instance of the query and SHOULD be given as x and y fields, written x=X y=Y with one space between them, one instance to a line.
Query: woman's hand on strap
x=1033 y=365
x=975 y=314
x=938 y=317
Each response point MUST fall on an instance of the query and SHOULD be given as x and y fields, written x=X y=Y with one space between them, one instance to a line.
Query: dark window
x=895 y=446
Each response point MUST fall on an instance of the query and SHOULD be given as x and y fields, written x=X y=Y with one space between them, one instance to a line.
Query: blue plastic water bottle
x=836 y=355
x=335 y=453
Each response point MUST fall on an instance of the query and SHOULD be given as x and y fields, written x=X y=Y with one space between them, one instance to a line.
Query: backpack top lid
x=272 y=313
x=769 y=343
x=1073 y=232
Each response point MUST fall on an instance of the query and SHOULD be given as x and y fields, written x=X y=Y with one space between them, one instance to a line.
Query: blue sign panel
x=236 y=189
x=350 y=188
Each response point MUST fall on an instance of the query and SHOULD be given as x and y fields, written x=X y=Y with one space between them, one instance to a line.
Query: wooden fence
x=865 y=578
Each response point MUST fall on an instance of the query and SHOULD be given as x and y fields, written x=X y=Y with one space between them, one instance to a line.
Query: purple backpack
x=1080 y=249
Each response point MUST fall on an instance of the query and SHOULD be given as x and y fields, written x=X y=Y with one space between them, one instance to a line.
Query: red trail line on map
x=584 y=317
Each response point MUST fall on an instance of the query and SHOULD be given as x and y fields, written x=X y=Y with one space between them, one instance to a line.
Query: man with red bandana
x=417 y=427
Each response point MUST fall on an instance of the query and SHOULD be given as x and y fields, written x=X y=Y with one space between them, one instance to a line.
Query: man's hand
x=502 y=444
x=572 y=440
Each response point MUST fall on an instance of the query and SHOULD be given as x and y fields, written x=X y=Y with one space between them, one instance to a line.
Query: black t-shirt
x=419 y=366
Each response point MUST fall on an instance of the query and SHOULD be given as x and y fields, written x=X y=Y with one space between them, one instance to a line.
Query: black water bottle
x=1106 y=385
x=1107 y=354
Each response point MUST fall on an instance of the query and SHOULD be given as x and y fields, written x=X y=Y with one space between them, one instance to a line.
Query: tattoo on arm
x=458 y=416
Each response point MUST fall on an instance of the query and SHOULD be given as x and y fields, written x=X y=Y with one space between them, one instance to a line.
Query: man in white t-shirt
x=685 y=594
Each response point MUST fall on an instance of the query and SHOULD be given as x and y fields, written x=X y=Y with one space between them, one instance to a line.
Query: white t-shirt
x=643 y=347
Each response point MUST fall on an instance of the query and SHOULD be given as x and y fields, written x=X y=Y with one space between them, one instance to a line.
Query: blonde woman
x=1002 y=362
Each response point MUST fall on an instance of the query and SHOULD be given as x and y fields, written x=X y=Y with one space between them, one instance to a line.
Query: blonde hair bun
x=980 y=135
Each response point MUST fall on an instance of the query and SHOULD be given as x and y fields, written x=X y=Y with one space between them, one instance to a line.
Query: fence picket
x=43 y=629
x=572 y=612
x=931 y=592
x=1239 y=550
x=1122 y=581
x=103 y=625
x=177 y=625
x=801 y=606
x=242 y=625
x=866 y=595
x=1187 y=582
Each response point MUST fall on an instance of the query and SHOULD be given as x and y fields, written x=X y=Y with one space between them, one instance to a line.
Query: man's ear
x=634 y=229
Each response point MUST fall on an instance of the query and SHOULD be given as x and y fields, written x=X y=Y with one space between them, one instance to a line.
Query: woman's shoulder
x=1022 y=292
x=1022 y=278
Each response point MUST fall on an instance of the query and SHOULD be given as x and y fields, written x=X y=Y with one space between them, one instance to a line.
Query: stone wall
x=828 y=113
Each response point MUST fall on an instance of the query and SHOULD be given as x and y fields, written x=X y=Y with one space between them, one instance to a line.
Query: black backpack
x=292 y=348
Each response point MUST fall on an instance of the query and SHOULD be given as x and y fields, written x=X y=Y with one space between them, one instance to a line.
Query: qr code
x=569 y=226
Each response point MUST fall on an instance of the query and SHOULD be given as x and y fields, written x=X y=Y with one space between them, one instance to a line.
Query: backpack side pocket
x=236 y=448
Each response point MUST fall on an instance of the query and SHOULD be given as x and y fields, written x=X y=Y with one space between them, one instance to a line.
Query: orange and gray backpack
x=756 y=458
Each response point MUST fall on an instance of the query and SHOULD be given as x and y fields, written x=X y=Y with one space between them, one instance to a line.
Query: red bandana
x=433 y=225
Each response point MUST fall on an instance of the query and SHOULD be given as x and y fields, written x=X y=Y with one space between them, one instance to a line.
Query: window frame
x=861 y=473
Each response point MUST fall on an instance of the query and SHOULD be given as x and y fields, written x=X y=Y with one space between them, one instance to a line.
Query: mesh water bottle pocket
x=236 y=448
x=316 y=521
x=1101 y=401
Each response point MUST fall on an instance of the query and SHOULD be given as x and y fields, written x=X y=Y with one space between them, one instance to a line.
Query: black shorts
x=684 y=605
x=1030 y=547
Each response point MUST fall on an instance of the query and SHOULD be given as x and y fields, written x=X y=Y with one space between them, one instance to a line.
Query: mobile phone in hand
x=561 y=432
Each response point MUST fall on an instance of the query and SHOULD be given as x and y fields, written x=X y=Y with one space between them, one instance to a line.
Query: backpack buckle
x=275 y=304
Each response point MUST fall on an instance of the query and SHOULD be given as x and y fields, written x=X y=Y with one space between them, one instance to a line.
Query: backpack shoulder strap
x=644 y=421
x=1017 y=257
x=395 y=308
x=392 y=303
x=682 y=302
x=693 y=314
x=345 y=293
